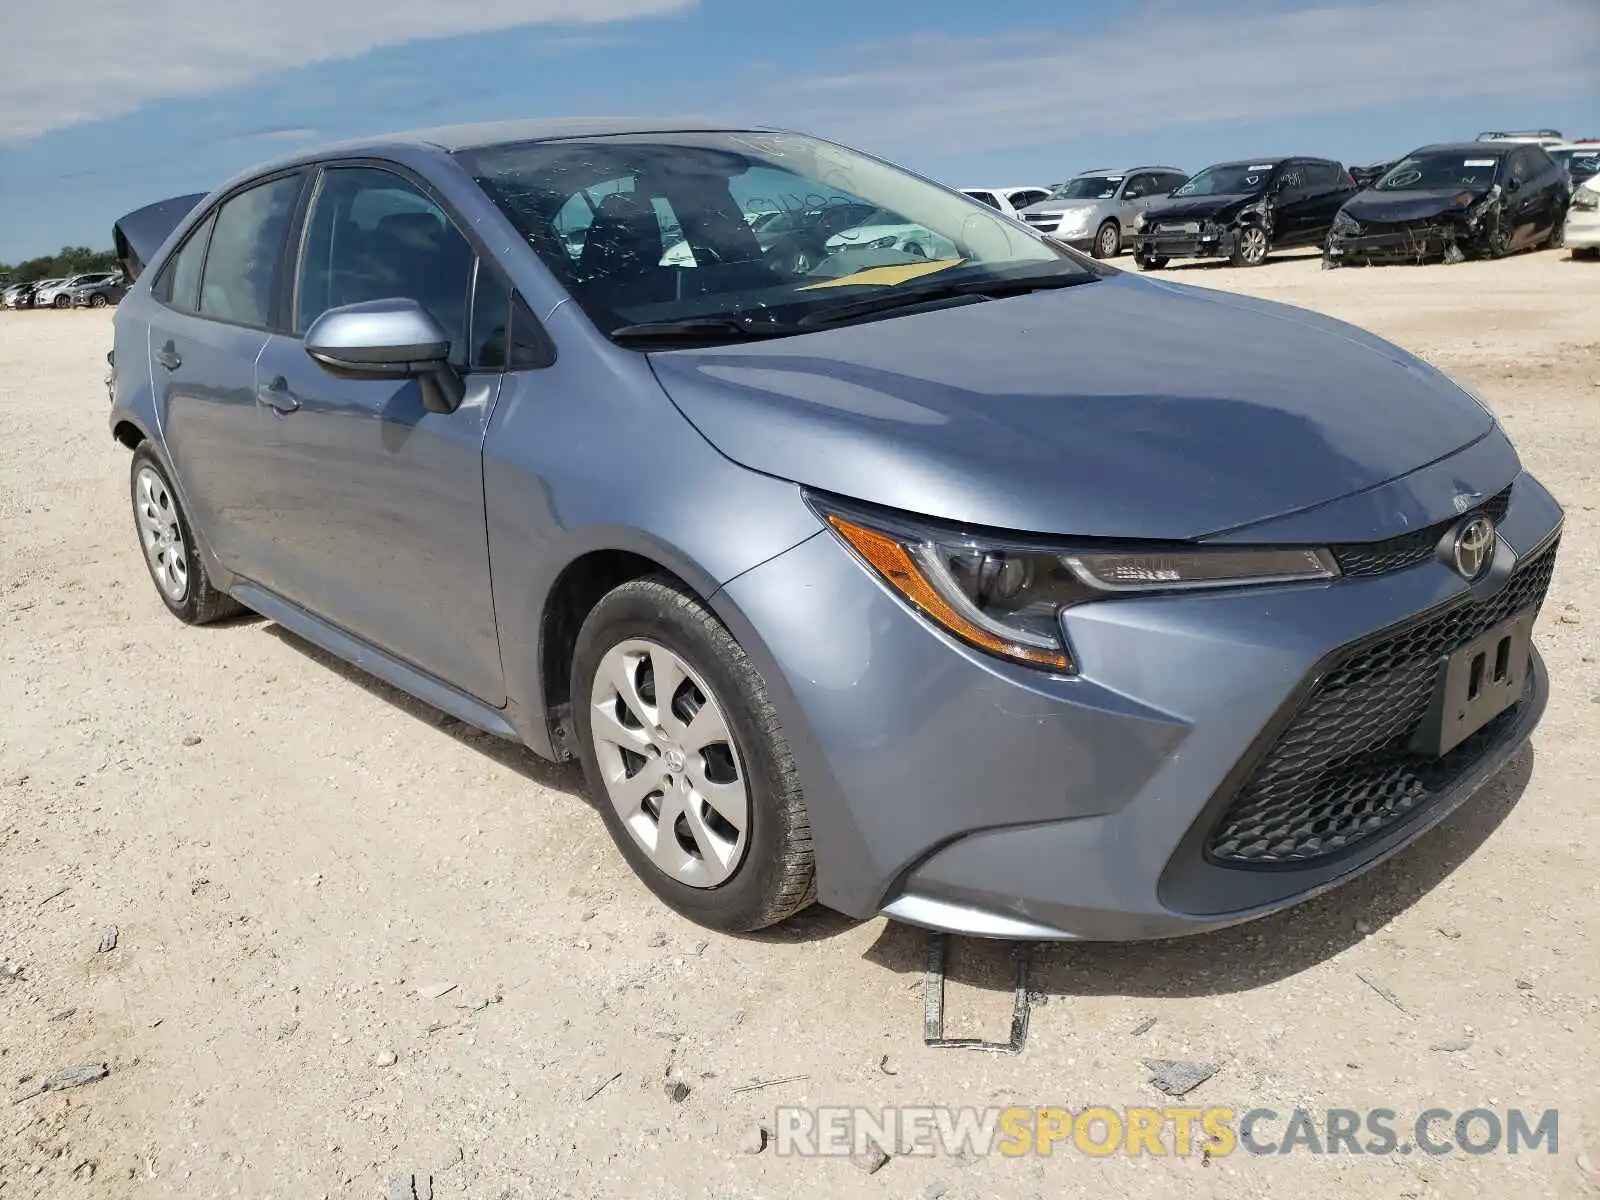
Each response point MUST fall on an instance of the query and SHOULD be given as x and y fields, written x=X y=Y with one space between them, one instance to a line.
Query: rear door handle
x=169 y=357
x=277 y=396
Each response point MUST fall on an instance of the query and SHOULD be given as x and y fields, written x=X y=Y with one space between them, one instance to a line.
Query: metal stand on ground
x=933 y=1003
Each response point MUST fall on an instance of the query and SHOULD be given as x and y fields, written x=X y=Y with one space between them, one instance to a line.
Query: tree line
x=69 y=260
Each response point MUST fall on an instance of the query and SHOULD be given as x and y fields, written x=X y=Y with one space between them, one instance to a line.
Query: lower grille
x=1340 y=773
x=1409 y=549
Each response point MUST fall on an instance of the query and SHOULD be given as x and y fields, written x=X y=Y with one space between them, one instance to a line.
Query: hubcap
x=161 y=535
x=1255 y=244
x=1108 y=242
x=670 y=767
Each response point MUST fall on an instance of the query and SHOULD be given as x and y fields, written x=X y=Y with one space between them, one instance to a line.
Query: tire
x=194 y=600
x=1558 y=234
x=767 y=871
x=1150 y=262
x=97 y=301
x=1586 y=252
x=1251 y=247
x=1107 y=240
x=1499 y=241
x=61 y=302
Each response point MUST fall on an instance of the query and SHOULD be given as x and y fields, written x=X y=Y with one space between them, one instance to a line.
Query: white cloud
x=69 y=61
x=1175 y=63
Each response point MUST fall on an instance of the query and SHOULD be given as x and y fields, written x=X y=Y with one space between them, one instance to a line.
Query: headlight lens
x=1344 y=223
x=1585 y=199
x=1006 y=599
x=1140 y=221
x=1074 y=220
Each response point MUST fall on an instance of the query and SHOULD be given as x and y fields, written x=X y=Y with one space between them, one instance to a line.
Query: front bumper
x=1414 y=242
x=952 y=790
x=1204 y=243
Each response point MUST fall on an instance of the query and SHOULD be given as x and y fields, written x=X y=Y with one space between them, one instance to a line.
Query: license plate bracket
x=1476 y=683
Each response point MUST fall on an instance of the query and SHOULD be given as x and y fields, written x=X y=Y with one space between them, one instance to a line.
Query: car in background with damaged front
x=1583 y=220
x=1452 y=202
x=1242 y=211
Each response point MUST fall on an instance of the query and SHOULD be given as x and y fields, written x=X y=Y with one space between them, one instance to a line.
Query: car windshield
x=1580 y=164
x=1228 y=179
x=598 y=210
x=1088 y=187
x=1420 y=172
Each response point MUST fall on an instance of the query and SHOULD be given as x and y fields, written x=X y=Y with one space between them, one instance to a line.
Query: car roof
x=1127 y=170
x=1477 y=148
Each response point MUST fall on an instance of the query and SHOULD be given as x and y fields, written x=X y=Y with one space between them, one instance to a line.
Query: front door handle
x=169 y=357
x=277 y=396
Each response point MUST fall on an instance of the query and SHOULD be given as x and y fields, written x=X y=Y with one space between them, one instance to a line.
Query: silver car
x=1095 y=211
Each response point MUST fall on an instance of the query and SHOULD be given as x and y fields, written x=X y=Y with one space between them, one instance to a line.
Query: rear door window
x=240 y=280
x=178 y=285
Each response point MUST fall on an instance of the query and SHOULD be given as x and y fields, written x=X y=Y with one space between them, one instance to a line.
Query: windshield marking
x=889 y=275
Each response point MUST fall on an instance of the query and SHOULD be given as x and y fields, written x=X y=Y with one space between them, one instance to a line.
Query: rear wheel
x=97 y=301
x=1107 y=240
x=1558 y=234
x=1250 y=248
x=687 y=761
x=169 y=547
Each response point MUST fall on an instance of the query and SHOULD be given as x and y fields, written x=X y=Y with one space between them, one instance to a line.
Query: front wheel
x=62 y=302
x=1107 y=241
x=97 y=301
x=1250 y=248
x=687 y=761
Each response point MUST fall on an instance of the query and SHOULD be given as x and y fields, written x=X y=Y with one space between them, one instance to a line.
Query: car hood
x=1191 y=207
x=1040 y=414
x=1409 y=206
x=1054 y=207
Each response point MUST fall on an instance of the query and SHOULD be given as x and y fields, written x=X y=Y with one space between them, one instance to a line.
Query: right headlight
x=1140 y=221
x=1005 y=597
x=1586 y=199
x=1344 y=223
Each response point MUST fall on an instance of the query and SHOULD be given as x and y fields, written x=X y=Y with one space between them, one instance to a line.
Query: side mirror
x=1513 y=184
x=387 y=339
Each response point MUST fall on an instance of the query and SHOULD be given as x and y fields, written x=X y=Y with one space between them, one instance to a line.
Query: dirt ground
x=360 y=946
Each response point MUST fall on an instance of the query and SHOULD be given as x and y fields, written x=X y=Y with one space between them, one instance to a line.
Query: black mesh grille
x=1340 y=771
x=1409 y=549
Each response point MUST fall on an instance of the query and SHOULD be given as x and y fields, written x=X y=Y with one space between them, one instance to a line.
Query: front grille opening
x=1340 y=773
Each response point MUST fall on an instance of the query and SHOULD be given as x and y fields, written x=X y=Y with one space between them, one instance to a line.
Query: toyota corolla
x=891 y=581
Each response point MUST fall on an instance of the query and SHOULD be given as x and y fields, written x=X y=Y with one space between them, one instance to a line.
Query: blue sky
x=93 y=125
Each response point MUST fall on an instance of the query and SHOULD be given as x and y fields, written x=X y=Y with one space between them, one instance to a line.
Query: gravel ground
x=363 y=951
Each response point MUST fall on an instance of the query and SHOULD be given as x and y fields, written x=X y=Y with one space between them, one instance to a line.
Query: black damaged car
x=1452 y=202
x=1242 y=211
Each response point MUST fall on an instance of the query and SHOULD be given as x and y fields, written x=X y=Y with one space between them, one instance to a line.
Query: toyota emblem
x=1474 y=547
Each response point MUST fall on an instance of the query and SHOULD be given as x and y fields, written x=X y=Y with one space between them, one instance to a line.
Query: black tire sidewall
x=648 y=610
x=189 y=609
x=1097 y=250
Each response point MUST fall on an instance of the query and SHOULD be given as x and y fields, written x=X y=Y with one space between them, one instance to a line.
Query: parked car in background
x=26 y=295
x=1583 y=219
x=1096 y=210
x=1531 y=137
x=886 y=230
x=1244 y=210
x=59 y=293
x=1454 y=201
x=1580 y=160
x=97 y=293
x=1009 y=200
x=796 y=241
x=1368 y=175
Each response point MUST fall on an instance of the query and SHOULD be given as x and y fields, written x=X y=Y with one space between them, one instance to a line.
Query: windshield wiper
x=896 y=298
x=721 y=329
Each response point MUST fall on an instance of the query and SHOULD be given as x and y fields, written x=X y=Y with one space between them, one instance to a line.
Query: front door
x=379 y=523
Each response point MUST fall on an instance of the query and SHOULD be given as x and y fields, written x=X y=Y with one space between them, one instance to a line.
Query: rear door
x=1328 y=187
x=216 y=298
x=1524 y=200
x=1293 y=208
x=378 y=518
